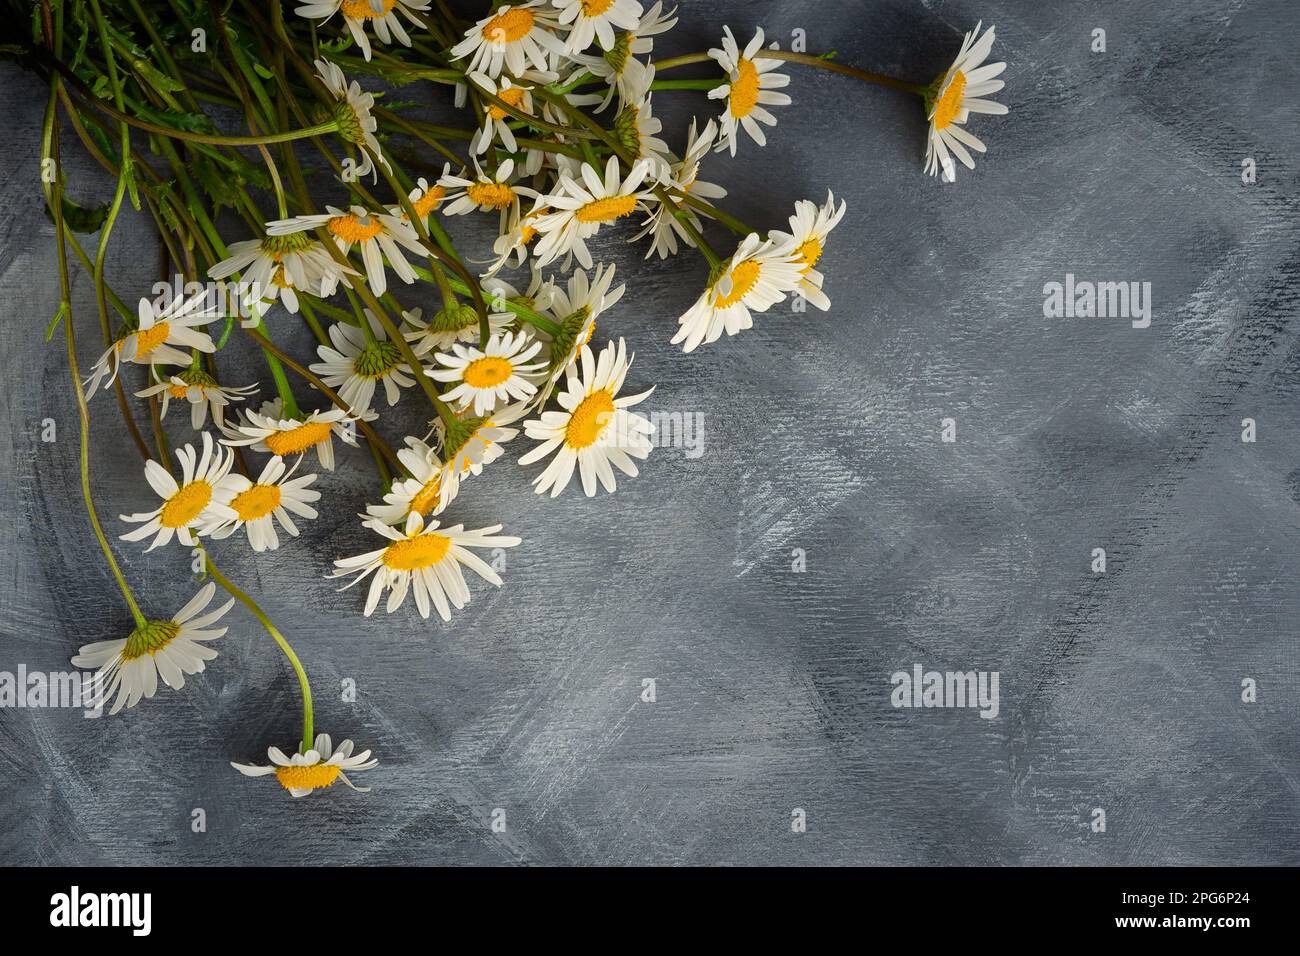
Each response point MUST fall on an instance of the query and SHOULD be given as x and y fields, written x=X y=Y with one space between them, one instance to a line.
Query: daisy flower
x=420 y=494
x=360 y=360
x=447 y=327
x=751 y=87
x=201 y=498
x=276 y=266
x=199 y=389
x=756 y=278
x=131 y=666
x=266 y=431
x=472 y=442
x=513 y=37
x=317 y=769
x=275 y=493
x=496 y=121
x=484 y=192
x=501 y=373
x=582 y=208
x=618 y=65
x=638 y=131
x=425 y=198
x=595 y=429
x=595 y=20
x=158 y=338
x=382 y=13
x=663 y=226
x=378 y=235
x=516 y=233
x=577 y=310
x=954 y=96
x=425 y=559
x=809 y=227
x=352 y=113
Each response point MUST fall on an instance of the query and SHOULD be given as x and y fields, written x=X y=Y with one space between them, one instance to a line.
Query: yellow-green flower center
x=149 y=638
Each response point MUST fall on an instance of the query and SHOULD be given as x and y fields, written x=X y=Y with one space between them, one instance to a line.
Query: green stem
x=807 y=60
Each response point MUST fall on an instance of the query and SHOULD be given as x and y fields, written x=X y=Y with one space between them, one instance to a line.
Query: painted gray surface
x=1119 y=691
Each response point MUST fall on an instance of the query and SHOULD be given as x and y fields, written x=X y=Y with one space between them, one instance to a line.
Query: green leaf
x=79 y=218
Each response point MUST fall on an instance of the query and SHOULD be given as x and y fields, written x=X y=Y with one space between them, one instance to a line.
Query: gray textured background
x=822 y=433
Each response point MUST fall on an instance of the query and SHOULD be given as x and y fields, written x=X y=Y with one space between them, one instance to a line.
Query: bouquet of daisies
x=328 y=202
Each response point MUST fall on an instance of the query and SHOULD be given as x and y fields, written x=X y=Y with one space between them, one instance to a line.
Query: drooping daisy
x=756 y=278
x=449 y=326
x=267 y=431
x=277 y=265
x=595 y=20
x=473 y=442
x=359 y=361
x=496 y=121
x=130 y=667
x=201 y=498
x=382 y=13
x=638 y=130
x=352 y=113
x=426 y=560
x=423 y=493
x=501 y=373
x=595 y=429
x=663 y=225
x=516 y=234
x=199 y=389
x=484 y=192
x=317 y=769
x=513 y=37
x=751 y=86
x=158 y=338
x=275 y=493
x=618 y=65
x=582 y=208
x=809 y=227
x=378 y=235
x=425 y=198
x=954 y=96
x=577 y=309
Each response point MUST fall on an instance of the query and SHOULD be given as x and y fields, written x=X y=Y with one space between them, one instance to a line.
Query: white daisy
x=425 y=198
x=637 y=129
x=278 y=265
x=130 y=667
x=751 y=86
x=662 y=225
x=512 y=38
x=266 y=431
x=582 y=208
x=317 y=769
x=595 y=429
x=158 y=338
x=595 y=20
x=359 y=361
x=427 y=560
x=352 y=113
x=618 y=65
x=422 y=493
x=382 y=13
x=501 y=373
x=199 y=389
x=202 y=496
x=576 y=309
x=756 y=278
x=954 y=96
x=378 y=235
x=275 y=493
x=516 y=234
x=471 y=443
x=447 y=327
x=484 y=192
x=809 y=227
x=496 y=121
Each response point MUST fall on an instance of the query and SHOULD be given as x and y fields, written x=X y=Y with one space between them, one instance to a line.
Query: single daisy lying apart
x=316 y=769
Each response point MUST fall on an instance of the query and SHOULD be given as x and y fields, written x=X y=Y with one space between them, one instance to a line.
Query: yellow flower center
x=313 y=777
x=743 y=278
x=511 y=95
x=257 y=502
x=810 y=252
x=280 y=279
x=295 y=441
x=488 y=372
x=177 y=391
x=594 y=8
x=492 y=195
x=349 y=228
x=744 y=89
x=418 y=552
x=146 y=340
x=606 y=210
x=949 y=105
x=429 y=201
x=426 y=497
x=589 y=419
x=186 y=505
x=508 y=27
x=363 y=9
